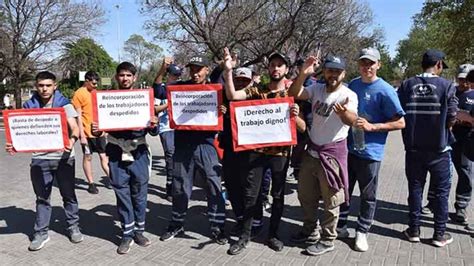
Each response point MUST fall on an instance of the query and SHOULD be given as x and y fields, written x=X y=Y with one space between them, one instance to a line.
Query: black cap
x=174 y=70
x=198 y=60
x=281 y=56
x=431 y=56
x=336 y=62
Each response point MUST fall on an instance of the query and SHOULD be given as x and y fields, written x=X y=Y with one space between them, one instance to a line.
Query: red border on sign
x=95 y=115
x=233 y=120
x=33 y=112
x=196 y=87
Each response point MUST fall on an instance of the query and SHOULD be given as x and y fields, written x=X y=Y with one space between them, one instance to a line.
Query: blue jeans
x=42 y=173
x=365 y=172
x=201 y=157
x=417 y=165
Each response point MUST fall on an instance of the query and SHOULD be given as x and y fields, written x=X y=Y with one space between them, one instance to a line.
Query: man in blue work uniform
x=194 y=151
x=430 y=104
x=129 y=163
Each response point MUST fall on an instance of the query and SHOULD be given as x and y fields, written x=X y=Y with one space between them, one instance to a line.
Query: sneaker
x=361 y=242
x=171 y=233
x=342 y=233
x=460 y=216
x=219 y=237
x=141 y=240
x=38 y=242
x=92 y=189
x=319 y=248
x=237 y=247
x=413 y=235
x=124 y=246
x=75 y=235
x=302 y=237
x=442 y=240
x=427 y=209
x=275 y=244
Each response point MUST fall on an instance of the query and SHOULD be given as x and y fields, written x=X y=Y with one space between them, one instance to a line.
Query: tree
x=256 y=28
x=84 y=55
x=445 y=25
x=141 y=52
x=33 y=31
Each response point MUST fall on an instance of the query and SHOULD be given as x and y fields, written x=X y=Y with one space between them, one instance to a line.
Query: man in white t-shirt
x=323 y=171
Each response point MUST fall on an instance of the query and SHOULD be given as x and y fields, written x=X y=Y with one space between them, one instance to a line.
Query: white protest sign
x=37 y=129
x=262 y=123
x=195 y=107
x=122 y=109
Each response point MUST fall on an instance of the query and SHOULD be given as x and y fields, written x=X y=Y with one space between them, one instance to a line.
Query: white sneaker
x=361 y=242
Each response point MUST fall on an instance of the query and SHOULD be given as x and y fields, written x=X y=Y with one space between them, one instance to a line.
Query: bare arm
x=82 y=134
x=160 y=108
x=161 y=73
x=300 y=123
x=397 y=122
x=296 y=89
x=74 y=128
x=230 y=92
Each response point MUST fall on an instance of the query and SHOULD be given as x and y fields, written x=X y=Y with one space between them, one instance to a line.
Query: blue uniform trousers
x=186 y=160
x=130 y=183
x=417 y=165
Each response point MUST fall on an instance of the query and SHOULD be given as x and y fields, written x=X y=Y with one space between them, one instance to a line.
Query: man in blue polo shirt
x=379 y=112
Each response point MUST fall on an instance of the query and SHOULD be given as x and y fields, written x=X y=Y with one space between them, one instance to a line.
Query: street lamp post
x=118 y=31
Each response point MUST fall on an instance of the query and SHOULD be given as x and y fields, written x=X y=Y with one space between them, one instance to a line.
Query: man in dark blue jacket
x=430 y=104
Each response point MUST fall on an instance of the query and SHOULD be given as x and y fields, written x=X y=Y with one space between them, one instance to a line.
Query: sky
x=394 y=16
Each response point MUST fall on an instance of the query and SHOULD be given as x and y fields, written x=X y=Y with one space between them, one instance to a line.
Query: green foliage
x=445 y=25
x=85 y=55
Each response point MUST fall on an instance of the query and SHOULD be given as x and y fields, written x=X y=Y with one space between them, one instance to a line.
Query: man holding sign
x=275 y=157
x=45 y=166
x=323 y=172
x=194 y=151
x=129 y=163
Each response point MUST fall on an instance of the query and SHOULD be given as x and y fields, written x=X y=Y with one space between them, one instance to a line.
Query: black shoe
x=219 y=236
x=171 y=233
x=319 y=249
x=92 y=189
x=460 y=216
x=412 y=234
x=124 y=246
x=275 y=244
x=141 y=240
x=442 y=240
x=237 y=247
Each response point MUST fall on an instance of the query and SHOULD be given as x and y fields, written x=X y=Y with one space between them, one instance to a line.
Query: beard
x=276 y=79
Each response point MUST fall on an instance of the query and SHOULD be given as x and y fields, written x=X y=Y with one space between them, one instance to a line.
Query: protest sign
x=36 y=130
x=116 y=110
x=262 y=123
x=195 y=107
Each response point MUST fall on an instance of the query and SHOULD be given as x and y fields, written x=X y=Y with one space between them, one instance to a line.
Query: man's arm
x=74 y=129
x=160 y=108
x=452 y=106
x=230 y=92
x=296 y=89
x=397 y=122
x=82 y=134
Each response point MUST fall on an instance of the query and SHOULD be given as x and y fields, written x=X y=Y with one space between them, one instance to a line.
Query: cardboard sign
x=117 y=110
x=262 y=123
x=36 y=130
x=195 y=107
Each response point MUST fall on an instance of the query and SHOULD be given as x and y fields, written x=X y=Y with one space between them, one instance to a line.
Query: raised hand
x=229 y=62
x=294 y=110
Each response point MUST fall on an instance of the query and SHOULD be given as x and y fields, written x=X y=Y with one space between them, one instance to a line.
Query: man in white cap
x=379 y=112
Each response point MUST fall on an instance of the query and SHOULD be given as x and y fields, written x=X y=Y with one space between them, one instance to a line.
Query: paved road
x=101 y=229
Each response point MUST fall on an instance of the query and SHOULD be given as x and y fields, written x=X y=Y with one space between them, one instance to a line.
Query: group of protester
x=327 y=113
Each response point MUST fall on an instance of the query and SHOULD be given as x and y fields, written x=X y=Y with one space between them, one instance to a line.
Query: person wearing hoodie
x=47 y=166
